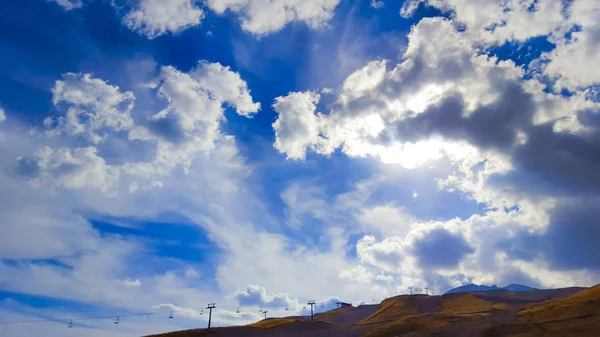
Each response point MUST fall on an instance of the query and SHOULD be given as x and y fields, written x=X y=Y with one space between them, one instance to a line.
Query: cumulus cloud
x=100 y=115
x=498 y=22
x=94 y=106
x=297 y=124
x=263 y=17
x=154 y=18
x=78 y=168
x=570 y=61
x=2 y=115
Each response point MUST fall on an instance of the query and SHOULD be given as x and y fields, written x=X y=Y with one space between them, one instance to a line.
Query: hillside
x=549 y=312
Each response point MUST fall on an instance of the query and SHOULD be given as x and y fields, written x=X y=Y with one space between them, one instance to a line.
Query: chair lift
x=201 y=311
x=286 y=307
x=304 y=307
x=260 y=309
x=237 y=311
x=118 y=320
x=70 y=325
x=171 y=315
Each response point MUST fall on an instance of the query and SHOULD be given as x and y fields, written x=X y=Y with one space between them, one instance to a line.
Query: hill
x=548 y=312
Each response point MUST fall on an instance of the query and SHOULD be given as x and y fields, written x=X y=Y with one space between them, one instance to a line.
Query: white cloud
x=572 y=61
x=131 y=283
x=498 y=22
x=154 y=18
x=297 y=125
x=190 y=124
x=268 y=16
x=68 y=4
x=226 y=86
x=377 y=4
x=94 y=106
x=2 y=115
x=79 y=168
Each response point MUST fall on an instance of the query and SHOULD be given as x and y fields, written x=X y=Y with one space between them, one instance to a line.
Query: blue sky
x=161 y=155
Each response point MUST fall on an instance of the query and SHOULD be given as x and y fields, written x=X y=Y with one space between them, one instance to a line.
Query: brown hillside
x=465 y=303
x=347 y=315
x=400 y=306
x=568 y=312
x=274 y=322
x=576 y=315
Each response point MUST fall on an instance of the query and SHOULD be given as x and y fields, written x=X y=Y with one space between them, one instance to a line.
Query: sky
x=160 y=155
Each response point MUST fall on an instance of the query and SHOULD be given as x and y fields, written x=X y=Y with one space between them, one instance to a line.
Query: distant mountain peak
x=475 y=287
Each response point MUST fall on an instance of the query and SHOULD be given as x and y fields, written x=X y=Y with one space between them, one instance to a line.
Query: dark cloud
x=569 y=243
x=27 y=167
x=167 y=128
x=441 y=249
x=491 y=126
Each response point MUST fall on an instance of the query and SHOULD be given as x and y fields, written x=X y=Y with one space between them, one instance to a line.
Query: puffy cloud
x=571 y=62
x=571 y=26
x=386 y=254
x=190 y=123
x=2 y=115
x=74 y=169
x=499 y=21
x=226 y=86
x=189 y=126
x=68 y=4
x=268 y=16
x=297 y=124
x=94 y=106
x=154 y=18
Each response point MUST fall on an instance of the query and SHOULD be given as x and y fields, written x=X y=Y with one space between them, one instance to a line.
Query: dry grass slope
x=576 y=315
x=401 y=306
x=467 y=304
x=274 y=322
x=488 y=315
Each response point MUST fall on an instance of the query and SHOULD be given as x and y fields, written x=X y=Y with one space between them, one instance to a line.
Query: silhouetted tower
x=311 y=303
x=410 y=289
x=265 y=312
x=427 y=290
x=339 y=304
x=210 y=307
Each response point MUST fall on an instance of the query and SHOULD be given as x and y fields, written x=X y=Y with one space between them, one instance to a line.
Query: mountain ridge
x=476 y=287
